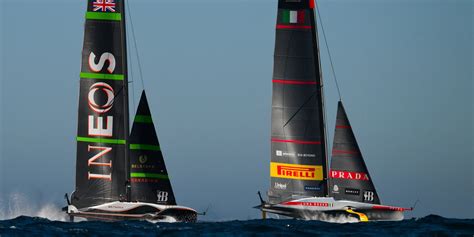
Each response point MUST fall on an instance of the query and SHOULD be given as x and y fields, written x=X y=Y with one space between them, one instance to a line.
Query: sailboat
x=119 y=175
x=302 y=186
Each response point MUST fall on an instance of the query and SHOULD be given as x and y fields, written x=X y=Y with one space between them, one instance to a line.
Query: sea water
x=17 y=218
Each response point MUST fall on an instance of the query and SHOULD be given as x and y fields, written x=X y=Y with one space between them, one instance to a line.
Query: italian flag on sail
x=293 y=17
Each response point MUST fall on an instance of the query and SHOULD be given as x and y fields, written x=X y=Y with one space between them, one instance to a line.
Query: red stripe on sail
x=344 y=152
x=342 y=126
x=296 y=141
x=294 y=82
x=311 y=4
x=292 y=27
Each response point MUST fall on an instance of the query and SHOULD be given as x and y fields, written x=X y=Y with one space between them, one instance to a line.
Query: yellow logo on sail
x=299 y=172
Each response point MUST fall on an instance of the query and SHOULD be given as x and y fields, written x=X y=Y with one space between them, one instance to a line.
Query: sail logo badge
x=369 y=196
x=143 y=159
x=293 y=17
x=337 y=174
x=298 y=172
x=162 y=196
x=103 y=6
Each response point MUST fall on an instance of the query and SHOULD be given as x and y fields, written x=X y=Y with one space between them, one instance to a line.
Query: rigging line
x=329 y=53
x=300 y=108
x=136 y=46
x=131 y=74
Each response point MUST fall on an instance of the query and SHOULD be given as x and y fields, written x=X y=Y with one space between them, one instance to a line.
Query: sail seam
x=296 y=141
x=294 y=82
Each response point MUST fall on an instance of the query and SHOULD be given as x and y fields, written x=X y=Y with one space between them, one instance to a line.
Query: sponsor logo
x=337 y=174
x=352 y=191
x=335 y=189
x=280 y=186
x=369 y=196
x=143 y=159
x=309 y=204
x=282 y=153
x=299 y=172
x=162 y=196
x=98 y=124
x=306 y=155
x=312 y=188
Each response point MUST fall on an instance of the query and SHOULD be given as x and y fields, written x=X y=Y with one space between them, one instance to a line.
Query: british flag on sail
x=104 y=6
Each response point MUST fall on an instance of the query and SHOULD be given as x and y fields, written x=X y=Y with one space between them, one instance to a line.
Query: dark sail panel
x=298 y=154
x=350 y=179
x=149 y=178
x=102 y=130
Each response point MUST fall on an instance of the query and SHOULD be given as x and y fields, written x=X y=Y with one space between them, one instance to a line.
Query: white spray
x=17 y=204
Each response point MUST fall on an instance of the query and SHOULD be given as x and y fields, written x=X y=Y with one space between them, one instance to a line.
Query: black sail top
x=349 y=177
x=101 y=166
x=149 y=179
x=298 y=151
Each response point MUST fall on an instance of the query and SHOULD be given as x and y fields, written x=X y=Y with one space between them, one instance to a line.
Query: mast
x=126 y=119
x=299 y=145
x=321 y=80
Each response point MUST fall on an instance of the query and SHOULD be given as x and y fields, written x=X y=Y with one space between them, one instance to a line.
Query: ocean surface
x=427 y=226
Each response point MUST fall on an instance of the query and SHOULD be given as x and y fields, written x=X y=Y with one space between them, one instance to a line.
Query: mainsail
x=149 y=179
x=102 y=134
x=349 y=177
x=298 y=150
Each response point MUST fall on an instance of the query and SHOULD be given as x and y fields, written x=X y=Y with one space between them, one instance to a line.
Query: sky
x=405 y=68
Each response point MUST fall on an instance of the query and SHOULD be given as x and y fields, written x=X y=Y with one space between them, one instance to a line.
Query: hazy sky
x=405 y=69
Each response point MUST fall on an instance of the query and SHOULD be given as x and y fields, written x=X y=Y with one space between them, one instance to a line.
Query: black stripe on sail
x=149 y=178
x=349 y=176
x=298 y=156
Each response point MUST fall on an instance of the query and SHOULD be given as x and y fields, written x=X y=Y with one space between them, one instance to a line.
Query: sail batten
x=349 y=176
x=298 y=143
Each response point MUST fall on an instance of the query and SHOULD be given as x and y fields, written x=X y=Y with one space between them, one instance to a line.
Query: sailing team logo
x=162 y=196
x=369 y=196
x=103 y=6
x=299 y=172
